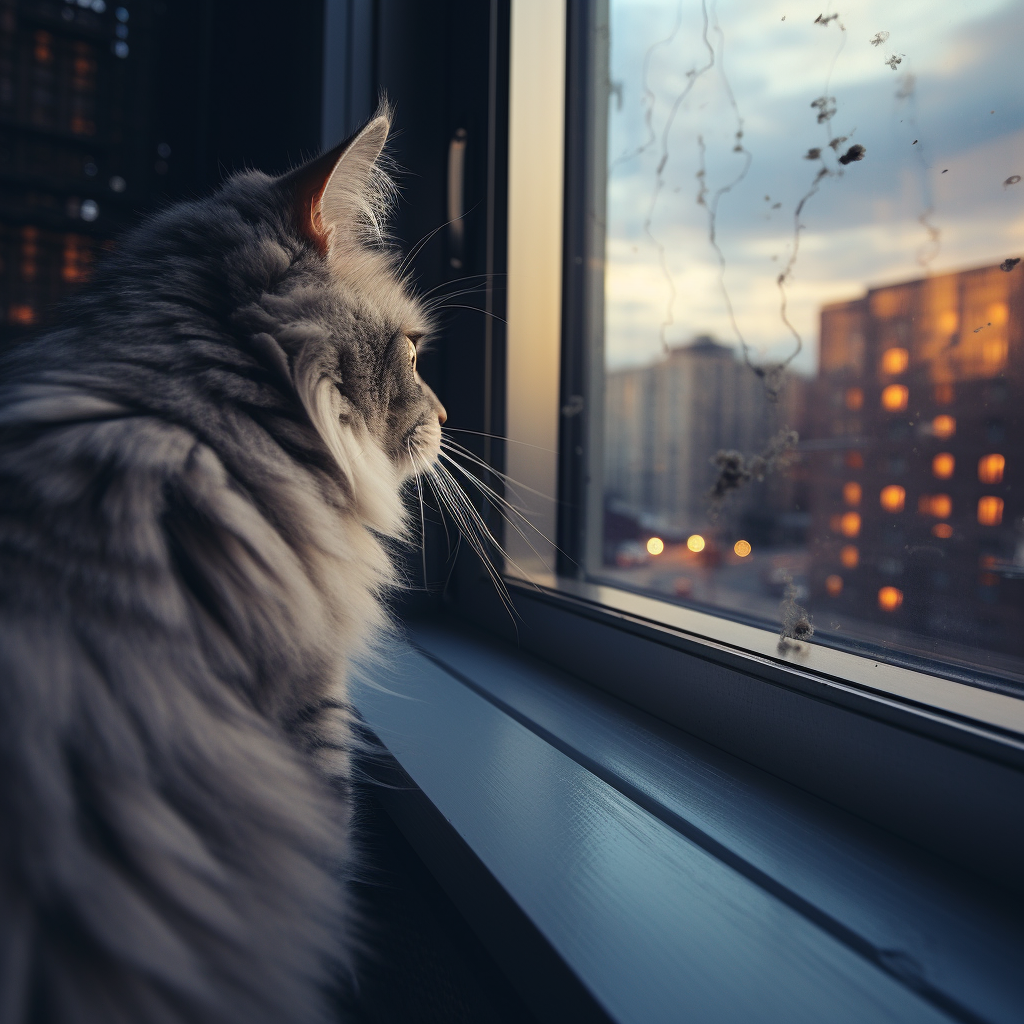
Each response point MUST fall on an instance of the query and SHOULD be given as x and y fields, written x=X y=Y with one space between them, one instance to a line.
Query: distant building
x=76 y=157
x=917 y=489
x=665 y=422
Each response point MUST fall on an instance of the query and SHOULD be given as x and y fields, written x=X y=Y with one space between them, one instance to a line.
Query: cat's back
x=165 y=832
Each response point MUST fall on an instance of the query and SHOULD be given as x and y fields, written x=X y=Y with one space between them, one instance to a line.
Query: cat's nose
x=442 y=416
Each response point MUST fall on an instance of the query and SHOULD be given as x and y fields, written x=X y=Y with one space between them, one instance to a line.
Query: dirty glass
x=813 y=320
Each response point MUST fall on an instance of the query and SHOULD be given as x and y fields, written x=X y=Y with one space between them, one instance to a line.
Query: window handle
x=456 y=197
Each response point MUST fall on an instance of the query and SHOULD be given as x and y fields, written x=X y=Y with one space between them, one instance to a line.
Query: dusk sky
x=955 y=89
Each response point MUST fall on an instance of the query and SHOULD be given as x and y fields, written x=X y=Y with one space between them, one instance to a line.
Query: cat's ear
x=343 y=196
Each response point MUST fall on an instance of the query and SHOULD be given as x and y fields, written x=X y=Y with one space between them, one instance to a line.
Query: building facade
x=917 y=510
x=664 y=424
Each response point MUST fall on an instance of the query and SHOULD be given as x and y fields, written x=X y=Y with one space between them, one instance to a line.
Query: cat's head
x=356 y=373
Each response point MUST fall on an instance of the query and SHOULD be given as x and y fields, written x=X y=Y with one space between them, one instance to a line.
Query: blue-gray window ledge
x=620 y=869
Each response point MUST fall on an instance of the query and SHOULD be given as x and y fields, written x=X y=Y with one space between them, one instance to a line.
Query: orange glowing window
x=944 y=394
x=890 y=598
x=849 y=524
x=895 y=398
x=938 y=505
x=990 y=469
x=22 y=315
x=994 y=352
x=895 y=360
x=851 y=492
x=892 y=498
x=854 y=398
x=942 y=530
x=849 y=556
x=854 y=460
x=990 y=510
x=998 y=314
x=949 y=321
x=43 y=48
x=943 y=465
x=834 y=585
x=944 y=426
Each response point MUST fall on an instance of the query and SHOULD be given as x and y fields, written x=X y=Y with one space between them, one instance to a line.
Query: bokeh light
x=655 y=546
x=990 y=510
x=944 y=426
x=849 y=525
x=943 y=465
x=895 y=398
x=990 y=469
x=854 y=399
x=892 y=498
x=695 y=542
x=895 y=360
x=851 y=492
x=890 y=598
x=942 y=530
x=938 y=505
x=849 y=556
x=834 y=585
x=742 y=548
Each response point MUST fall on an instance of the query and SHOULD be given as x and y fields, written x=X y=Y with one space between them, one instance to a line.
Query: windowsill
x=675 y=880
x=972 y=705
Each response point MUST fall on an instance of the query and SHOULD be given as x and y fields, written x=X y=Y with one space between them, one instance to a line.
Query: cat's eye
x=412 y=353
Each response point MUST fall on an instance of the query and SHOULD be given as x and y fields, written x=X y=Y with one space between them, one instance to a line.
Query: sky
x=955 y=89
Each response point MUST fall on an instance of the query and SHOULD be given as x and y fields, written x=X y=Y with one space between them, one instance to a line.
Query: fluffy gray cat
x=200 y=475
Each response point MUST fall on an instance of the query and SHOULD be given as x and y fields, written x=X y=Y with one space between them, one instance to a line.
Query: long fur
x=199 y=474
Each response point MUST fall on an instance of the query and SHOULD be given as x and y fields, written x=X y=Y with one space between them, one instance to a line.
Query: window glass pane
x=813 y=319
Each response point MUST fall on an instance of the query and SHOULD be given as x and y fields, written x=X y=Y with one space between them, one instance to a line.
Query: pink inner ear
x=307 y=184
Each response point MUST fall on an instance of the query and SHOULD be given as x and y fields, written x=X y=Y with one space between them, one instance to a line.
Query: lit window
x=849 y=556
x=942 y=530
x=943 y=465
x=854 y=460
x=938 y=505
x=854 y=398
x=895 y=360
x=834 y=585
x=895 y=398
x=890 y=598
x=944 y=394
x=990 y=469
x=655 y=546
x=893 y=498
x=994 y=352
x=851 y=492
x=22 y=314
x=849 y=525
x=695 y=543
x=949 y=322
x=742 y=548
x=944 y=426
x=990 y=510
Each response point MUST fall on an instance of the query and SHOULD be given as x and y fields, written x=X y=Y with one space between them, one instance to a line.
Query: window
x=793 y=324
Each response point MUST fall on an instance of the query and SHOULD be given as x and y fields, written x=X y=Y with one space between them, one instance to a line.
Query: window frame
x=929 y=758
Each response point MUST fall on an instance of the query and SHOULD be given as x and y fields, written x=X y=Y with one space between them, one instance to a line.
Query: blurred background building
x=664 y=425
x=108 y=109
x=920 y=400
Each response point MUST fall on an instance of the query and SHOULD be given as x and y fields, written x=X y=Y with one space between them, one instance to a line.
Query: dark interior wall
x=443 y=67
x=239 y=85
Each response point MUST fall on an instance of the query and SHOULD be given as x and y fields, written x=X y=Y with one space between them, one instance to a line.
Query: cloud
x=863 y=225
